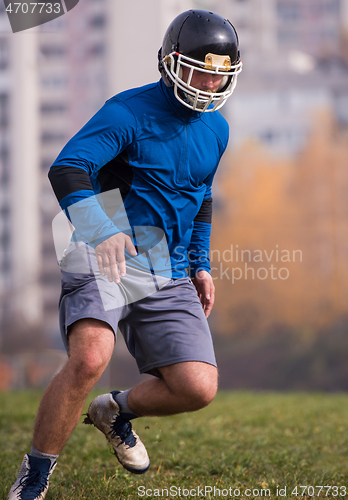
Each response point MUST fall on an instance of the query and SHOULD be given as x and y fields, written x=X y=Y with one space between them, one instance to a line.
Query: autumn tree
x=280 y=243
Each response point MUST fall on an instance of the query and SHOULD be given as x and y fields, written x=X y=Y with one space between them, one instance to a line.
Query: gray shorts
x=163 y=326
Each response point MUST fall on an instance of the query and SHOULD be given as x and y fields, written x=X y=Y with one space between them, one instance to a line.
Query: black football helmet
x=201 y=41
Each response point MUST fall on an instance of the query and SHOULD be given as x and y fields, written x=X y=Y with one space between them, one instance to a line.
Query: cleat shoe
x=32 y=480
x=104 y=413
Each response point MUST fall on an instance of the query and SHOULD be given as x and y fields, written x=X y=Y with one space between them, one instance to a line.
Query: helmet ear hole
x=159 y=57
x=224 y=83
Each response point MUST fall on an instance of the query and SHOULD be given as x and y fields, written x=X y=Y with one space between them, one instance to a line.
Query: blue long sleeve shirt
x=162 y=158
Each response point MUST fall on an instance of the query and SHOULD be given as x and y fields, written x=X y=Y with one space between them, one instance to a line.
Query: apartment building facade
x=53 y=78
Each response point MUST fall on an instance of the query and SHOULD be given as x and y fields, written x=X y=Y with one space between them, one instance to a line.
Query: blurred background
x=279 y=242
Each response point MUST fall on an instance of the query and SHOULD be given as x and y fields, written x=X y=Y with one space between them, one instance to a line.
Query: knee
x=91 y=343
x=202 y=394
x=88 y=368
x=194 y=384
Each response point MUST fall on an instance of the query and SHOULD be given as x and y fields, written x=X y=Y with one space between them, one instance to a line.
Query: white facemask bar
x=196 y=99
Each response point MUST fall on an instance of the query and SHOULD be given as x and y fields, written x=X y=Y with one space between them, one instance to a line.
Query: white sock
x=39 y=454
x=121 y=399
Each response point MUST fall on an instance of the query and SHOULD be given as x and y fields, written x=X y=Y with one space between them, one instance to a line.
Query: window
x=333 y=6
x=5 y=237
x=6 y=261
x=97 y=50
x=54 y=81
x=52 y=107
x=4 y=54
x=48 y=249
x=4 y=110
x=5 y=211
x=53 y=50
x=47 y=137
x=46 y=164
x=288 y=11
x=4 y=173
x=98 y=21
x=55 y=25
x=288 y=37
x=49 y=278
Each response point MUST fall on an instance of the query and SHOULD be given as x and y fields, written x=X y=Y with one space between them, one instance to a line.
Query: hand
x=205 y=289
x=110 y=256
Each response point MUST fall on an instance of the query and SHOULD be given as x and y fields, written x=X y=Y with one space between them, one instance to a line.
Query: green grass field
x=245 y=444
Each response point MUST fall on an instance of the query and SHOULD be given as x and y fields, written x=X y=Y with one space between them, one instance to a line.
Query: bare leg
x=91 y=344
x=184 y=387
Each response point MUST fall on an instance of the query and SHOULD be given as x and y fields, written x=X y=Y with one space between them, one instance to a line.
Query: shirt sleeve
x=198 y=250
x=73 y=175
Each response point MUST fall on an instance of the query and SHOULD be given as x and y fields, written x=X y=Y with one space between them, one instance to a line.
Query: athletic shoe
x=32 y=480
x=104 y=413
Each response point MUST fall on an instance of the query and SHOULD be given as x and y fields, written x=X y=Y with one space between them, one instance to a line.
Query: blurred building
x=19 y=156
x=53 y=78
x=295 y=62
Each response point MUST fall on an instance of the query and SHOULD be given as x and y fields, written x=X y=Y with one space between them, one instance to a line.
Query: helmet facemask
x=192 y=97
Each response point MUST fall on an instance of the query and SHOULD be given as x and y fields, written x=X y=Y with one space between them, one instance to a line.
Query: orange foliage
x=290 y=218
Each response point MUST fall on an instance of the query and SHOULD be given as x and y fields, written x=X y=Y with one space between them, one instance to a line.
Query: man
x=155 y=151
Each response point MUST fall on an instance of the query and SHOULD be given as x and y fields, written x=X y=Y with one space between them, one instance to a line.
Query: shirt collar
x=175 y=106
